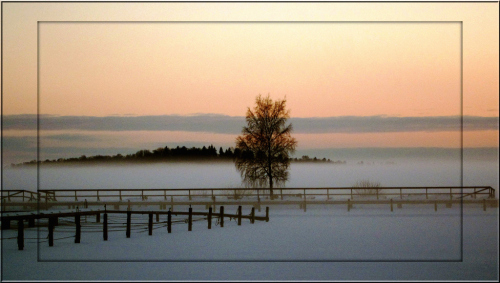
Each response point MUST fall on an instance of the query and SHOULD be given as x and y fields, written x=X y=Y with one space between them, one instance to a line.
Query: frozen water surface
x=324 y=243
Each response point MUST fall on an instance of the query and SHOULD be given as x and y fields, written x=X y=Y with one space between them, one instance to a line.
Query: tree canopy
x=266 y=144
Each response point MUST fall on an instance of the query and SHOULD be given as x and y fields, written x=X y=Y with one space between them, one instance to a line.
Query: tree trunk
x=271 y=186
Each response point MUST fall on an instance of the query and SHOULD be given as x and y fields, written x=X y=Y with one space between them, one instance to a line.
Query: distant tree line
x=166 y=154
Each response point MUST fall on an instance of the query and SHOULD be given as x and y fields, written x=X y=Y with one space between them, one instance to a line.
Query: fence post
x=120 y=195
x=281 y=190
x=451 y=197
x=327 y=194
x=267 y=213
x=391 y=206
x=98 y=199
x=348 y=204
x=164 y=194
x=351 y=193
x=239 y=215
x=169 y=221
x=157 y=217
x=190 y=219
x=20 y=234
x=377 y=192
x=426 y=195
x=172 y=203
x=221 y=212
x=98 y=218
x=86 y=204
x=400 y=193
x=76 y=199
x=128 y=207
x=105 y=227
x=189 y=192
x=209 y=218
x=435 y=206
x=51 y=231
x=78 y=228
x=252 y=219
x=150 y=224
x=129 y=214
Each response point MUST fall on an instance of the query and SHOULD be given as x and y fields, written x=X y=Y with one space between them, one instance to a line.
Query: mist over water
x=432 y=172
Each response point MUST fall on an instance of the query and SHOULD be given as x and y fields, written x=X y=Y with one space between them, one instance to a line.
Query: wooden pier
x=53 y=220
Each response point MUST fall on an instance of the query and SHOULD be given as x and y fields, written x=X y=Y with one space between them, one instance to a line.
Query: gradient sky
x=352 y=66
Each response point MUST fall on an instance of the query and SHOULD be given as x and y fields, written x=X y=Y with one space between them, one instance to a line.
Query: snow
x=324 y=243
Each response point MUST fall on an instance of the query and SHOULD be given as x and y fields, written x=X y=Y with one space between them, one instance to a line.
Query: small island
x=166 y=154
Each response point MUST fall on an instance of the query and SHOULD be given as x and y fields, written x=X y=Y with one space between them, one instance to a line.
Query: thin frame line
x=288 y=22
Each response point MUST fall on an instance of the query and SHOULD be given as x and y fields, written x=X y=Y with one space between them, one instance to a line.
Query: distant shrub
x=366 y=187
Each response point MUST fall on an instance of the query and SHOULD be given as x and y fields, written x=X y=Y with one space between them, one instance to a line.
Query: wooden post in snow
x=239 y=215
x=129 y=215
x=169 y=221
x=209 y=218
x=78 y=228
x=105 y=227
x=221 y=209
x=20 y=234
x=252 y=215
x=150 y=224
x=51 y=231
x=267 y=213
x=190 y=219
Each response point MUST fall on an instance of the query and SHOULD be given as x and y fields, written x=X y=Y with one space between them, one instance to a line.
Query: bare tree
x=266 y=144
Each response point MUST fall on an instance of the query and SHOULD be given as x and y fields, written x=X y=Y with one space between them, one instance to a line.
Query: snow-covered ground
x=324 y=243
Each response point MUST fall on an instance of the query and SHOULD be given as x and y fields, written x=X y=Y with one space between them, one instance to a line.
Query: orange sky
x=348 y=66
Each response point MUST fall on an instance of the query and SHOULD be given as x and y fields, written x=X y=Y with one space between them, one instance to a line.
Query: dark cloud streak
x=222 y=124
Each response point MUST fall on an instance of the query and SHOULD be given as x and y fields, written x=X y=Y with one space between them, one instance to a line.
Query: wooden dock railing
x=46 y=195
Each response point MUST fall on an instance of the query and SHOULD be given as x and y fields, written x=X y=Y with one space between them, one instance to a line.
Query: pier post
x=150 y=224
x=221 y=209
x=98 y=218
x=169 y=221
x=78 y=228
x=172 y=203
x=129 y=214
x=252 y=215
x=209 y=218
x=239 y=215
x=105 y=227
x=20 y=234
x=31 y=222
x=128 y=207
x=51 y=231
x=267 y=213
x=190 y=219
x=5 y=224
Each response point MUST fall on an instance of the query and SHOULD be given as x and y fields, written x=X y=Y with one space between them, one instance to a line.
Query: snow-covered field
x=324 y=243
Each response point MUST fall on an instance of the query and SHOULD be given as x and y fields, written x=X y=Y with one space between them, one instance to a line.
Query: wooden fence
x=333 y=193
